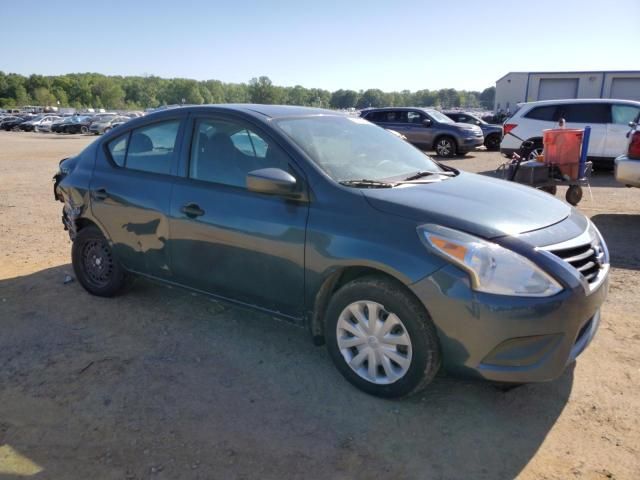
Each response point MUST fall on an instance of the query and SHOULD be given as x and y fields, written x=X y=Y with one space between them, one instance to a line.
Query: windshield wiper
x=426 y=173
x=366 y=183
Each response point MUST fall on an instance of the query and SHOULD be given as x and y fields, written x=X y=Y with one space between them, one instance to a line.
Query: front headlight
x=492 y=268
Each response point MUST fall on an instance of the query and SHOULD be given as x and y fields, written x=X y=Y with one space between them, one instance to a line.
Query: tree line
x=93 y=90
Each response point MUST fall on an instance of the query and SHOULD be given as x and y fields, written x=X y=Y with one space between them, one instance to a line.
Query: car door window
x=415 y=118
x=623 y=114
x=588 y=113
x=118 y=149
x=225 y=152
x=546 y=113
x=148 y=149
x=152 y=148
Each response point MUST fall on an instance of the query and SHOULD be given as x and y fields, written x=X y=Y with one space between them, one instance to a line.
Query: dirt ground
x=160 y=383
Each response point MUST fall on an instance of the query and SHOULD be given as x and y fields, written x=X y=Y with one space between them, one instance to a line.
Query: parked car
x=403 y=266
x=492 y=133
x=608 y=119
x=80 y=124
x=44 y=124
x=627 y=166
x=105 y=124
x=14 y=124
x=8 y=118
x=428 y=129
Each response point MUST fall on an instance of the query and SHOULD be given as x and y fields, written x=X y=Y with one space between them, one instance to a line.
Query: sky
x=407 y=44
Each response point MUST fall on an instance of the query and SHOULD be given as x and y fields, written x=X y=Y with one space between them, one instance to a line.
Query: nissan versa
x=402 y=266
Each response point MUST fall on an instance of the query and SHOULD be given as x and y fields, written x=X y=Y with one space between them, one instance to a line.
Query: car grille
x=588 y=259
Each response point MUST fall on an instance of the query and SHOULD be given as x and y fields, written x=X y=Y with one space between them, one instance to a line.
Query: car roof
x=382 y=109
x=254 y=109
x=579 y=100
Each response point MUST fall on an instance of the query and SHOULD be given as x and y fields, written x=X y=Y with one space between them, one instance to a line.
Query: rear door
x=595 y=115
x=131 y=193
x=617 y=139
x=230 y=241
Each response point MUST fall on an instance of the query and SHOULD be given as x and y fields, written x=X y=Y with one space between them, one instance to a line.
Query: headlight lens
x=492 y=268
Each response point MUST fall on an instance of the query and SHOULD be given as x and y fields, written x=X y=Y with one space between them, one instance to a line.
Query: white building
x=517 y=87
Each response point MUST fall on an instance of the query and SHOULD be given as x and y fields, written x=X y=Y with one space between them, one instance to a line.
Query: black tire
x=425 y=349
x=574 y=194
x=445 y=147
x=492 y=142
x=96 y=267
x=84 y=129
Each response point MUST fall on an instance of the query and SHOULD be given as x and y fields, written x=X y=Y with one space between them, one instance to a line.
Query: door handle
x=192 y=210
x=100 y=194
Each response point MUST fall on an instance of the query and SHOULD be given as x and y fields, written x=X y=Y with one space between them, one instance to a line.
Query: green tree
x=261 y=90
x=488 y=97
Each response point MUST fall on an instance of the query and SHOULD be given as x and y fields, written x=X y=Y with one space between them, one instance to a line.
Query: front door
x=230 y=241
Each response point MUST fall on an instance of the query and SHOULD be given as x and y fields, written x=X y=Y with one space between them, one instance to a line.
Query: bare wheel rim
x=97 y=262
x=444 y=148
x=374 y=342
x=533 y=155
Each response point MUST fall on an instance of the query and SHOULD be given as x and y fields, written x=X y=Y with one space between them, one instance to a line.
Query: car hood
x=483 y=206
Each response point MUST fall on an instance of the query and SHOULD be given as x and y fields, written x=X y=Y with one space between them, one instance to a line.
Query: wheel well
x=331 y=285
x=84 y=223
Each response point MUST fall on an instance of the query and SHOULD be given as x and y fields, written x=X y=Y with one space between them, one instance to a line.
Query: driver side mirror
x=272 y=181
x=426 y=122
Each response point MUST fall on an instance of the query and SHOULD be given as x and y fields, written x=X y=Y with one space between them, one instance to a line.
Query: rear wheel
x=96 y=267
x=445 y=147
x=381 y=339
x=83 y=129
x=492 y=142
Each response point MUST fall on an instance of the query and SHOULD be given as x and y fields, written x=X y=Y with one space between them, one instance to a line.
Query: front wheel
x=84 y=129
x=95 y=265
x=381 y=338
x=446 y=147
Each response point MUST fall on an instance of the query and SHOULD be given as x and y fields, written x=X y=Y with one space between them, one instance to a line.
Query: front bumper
x=471 y=143
x=508 y=339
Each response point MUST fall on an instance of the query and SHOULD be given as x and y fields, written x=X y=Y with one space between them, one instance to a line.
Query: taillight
x=634 y=146
x=507 y=127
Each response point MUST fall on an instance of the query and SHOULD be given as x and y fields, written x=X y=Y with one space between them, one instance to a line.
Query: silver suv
x=428 y=129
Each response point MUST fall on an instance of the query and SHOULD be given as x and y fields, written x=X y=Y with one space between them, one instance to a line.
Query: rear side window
x=546 y=113
x=148 y=149
x=585 y=112
x=386 y=116
x=118 y=149
x=623 y=114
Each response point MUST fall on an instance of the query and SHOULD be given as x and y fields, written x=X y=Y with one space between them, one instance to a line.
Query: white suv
x=608 y=118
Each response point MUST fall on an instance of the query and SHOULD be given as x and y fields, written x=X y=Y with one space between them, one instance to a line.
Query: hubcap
x=444 y=148
x=97 y=262
x=374 y=342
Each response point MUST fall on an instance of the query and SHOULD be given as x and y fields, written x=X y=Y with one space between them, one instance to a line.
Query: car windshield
x=351 y=148
x=439 y=117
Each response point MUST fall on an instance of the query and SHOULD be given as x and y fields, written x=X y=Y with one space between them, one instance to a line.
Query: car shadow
x=160 y=379
x=620 y=232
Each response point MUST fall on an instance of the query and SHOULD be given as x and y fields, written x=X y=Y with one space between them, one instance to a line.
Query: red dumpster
x=562 y=148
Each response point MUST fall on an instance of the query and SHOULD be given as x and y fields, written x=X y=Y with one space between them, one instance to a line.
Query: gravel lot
x=160 y=383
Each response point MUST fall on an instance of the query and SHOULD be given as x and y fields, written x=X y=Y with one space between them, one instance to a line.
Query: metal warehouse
x=517 y=87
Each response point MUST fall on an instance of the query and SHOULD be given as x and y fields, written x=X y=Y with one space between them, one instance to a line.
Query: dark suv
x=401 y=265
x=428 y=129
x=492 y=133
